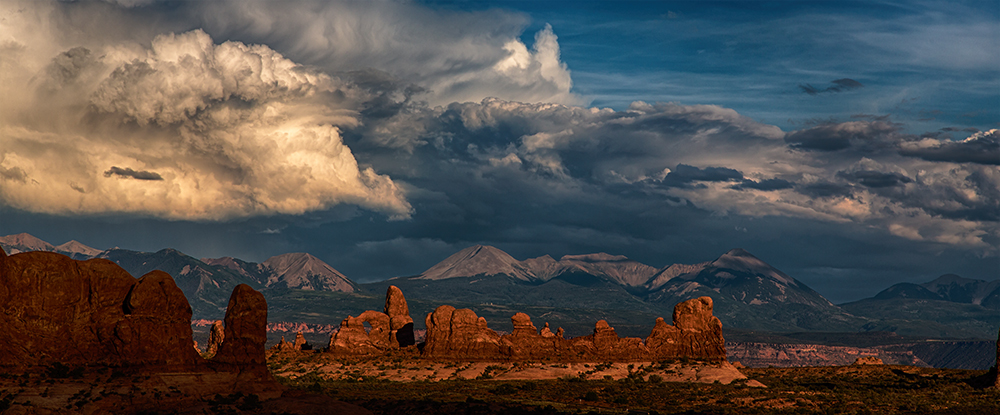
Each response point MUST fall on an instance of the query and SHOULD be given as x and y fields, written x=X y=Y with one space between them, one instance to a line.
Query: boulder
x=400 y=322
x=246 y=331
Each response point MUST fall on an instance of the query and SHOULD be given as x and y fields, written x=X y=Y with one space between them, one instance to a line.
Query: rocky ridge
x=462 y=335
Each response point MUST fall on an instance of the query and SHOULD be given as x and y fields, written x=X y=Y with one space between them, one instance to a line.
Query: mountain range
x=749 y=294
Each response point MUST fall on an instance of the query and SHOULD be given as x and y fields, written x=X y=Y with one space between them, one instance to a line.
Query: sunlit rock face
x=460 y=334
x=390 y=330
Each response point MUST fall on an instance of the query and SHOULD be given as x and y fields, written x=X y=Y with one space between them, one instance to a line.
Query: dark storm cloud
x=980 y=148
x=765 y=185
x=13 y=173
x=683 y=175
x=872 y=178
x=128 y=172
x=840 y=136
x=839 y=85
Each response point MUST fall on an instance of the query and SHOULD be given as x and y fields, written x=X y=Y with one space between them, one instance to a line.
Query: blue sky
x=850 y=144
x=929 y=64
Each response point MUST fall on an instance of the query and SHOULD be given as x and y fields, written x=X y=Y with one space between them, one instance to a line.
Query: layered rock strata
x=460 y=334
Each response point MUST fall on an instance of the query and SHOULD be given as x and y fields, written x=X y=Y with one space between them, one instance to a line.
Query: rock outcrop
x=54 y=309
x=454 y=333
x=386 y=331
x=460 y=334
x=400 y=322
x=867 y=360
x=246 y=331
x=215 y=337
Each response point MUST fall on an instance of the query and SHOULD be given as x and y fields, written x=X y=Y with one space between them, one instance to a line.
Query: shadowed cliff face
x=92 y=313
x=55 y=309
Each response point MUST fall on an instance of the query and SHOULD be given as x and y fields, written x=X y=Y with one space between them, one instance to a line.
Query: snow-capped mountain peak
x=24 y=242
x=306 y=272
x=78 y=248
x=740 y=260
x=478 y=260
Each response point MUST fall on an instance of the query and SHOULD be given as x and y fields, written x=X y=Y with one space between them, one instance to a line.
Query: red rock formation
x=390 y=330
x=867 y=360
x=246 y=331
x=157 y=324
x=696 y=333
x=353 y=338
x=400 y=322
x=460 y=334
x=300 y=341
x=215 y=338
x=55 y=309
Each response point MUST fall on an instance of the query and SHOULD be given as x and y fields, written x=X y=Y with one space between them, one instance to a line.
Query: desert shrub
x=251 y=403
x=590 y=396
x=504 y=389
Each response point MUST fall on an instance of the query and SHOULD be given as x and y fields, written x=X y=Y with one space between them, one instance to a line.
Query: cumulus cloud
x=981 y=147
x=483 y=159
x=211 y=131
x=454 y=56
x=839 y=136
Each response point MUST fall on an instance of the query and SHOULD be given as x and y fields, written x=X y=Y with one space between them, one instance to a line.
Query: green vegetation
x=840 y=390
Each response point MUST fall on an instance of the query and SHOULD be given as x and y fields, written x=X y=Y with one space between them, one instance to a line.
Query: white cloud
x=233 y=130
x=455 y=56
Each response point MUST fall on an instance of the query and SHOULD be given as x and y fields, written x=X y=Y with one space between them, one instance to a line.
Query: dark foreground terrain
x=888 y=389
x=834 y=390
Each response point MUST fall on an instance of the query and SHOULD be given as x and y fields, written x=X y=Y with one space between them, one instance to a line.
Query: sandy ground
x=403 y=368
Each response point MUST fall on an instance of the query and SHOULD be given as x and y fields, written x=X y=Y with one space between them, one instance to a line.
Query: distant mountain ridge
x=482 y=260
x=749 y=294
x=297 y=270
x=24 y=242
x=948 y=287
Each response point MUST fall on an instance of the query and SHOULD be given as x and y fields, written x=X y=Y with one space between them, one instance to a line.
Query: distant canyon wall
x=975 y=355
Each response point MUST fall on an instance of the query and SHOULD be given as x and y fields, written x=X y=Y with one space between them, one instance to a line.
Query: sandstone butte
x=92 y=315
x=462 y=335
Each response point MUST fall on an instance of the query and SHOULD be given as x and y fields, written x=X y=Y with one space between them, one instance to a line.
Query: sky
x=852 y=145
